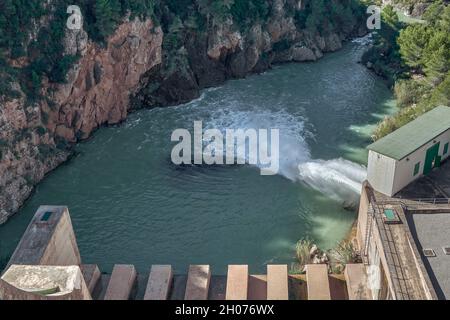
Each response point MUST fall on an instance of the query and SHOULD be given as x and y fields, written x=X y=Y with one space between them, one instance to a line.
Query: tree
x=433 y=12
x=104 y=18
x=437 y=65
x=445 y=19
x=441 y=94
x=35 y=82
x=412 y=41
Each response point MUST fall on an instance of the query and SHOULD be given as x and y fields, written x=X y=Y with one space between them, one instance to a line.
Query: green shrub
x=41 y=130
x=303 y=255
x=408 y=92
x=343 y=254
x=246 y=12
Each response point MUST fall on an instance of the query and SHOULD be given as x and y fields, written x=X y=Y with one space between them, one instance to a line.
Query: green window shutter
x=446 y=148
x=416 y=168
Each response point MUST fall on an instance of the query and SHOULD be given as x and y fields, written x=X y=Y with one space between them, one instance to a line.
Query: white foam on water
x=366 y=40
x=293 y=148
x=338 y=179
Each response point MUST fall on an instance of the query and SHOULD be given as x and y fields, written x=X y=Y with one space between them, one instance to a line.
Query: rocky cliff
x=226 y=50
x=135 y=68
x=36 y=138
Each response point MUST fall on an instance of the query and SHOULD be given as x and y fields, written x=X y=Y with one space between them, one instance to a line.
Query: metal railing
x=427 y=200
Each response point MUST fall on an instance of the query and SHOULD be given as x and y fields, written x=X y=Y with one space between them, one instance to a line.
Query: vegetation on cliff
x=244 y=36
x=415 y=59
x=32 y=33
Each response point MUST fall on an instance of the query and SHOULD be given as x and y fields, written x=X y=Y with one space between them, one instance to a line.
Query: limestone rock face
x=101 y=83
x=98 y=89
x=227 y=50
x=223 y=40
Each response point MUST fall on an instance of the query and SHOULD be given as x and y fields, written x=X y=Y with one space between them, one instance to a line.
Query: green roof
x=414 y=135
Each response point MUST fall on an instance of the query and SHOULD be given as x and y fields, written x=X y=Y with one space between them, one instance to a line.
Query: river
x=130 y=204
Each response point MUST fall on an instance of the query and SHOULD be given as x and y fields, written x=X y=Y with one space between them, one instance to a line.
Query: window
x=416 y=168
x=446 y=148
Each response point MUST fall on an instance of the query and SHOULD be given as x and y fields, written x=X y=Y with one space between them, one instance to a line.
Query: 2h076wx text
x=228 y=309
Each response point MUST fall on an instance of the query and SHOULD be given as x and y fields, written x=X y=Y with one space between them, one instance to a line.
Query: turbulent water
x=130 y=204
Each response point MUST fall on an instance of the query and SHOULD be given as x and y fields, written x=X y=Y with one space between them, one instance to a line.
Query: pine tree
x=412 y=41
x=438 y=65
x=116 y=10
x=104 y=20
x=445 y=20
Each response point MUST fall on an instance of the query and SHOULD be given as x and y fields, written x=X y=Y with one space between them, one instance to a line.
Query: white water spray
x=338 y=179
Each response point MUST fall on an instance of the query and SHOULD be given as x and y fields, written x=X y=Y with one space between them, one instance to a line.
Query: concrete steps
x=238 y=284
x=277 y=282
x=122 y=282
x=356 y=279
x=318 y=282
x=197 y=286
x=159 y=283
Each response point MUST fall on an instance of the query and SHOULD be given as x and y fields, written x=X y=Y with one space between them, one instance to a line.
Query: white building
x=409 y=152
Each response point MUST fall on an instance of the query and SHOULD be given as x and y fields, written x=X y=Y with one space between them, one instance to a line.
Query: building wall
x=380 y=172
x=404 y=170
x=362 y=218
x=376 y=256
x=389 y=176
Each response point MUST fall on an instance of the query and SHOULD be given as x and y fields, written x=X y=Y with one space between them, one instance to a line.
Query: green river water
x=130 y=204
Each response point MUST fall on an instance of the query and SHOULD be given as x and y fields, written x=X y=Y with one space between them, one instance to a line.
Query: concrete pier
x=198 y=280
x=318 y=282
x=159 y=283
x=237 y=282
x=48 y=240
x=356 y=279
x=121 y=283
x=277 y=282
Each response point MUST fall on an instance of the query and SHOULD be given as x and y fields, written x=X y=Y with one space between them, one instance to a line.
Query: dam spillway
x=46 y=265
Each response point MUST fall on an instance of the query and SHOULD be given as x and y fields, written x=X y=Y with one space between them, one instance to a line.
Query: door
x=432 y=159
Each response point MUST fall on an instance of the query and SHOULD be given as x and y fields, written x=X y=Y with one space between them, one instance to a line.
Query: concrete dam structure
x=46 y=265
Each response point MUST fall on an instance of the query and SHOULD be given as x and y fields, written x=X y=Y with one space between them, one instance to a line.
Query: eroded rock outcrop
x=100 y=85
x=226 y=50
